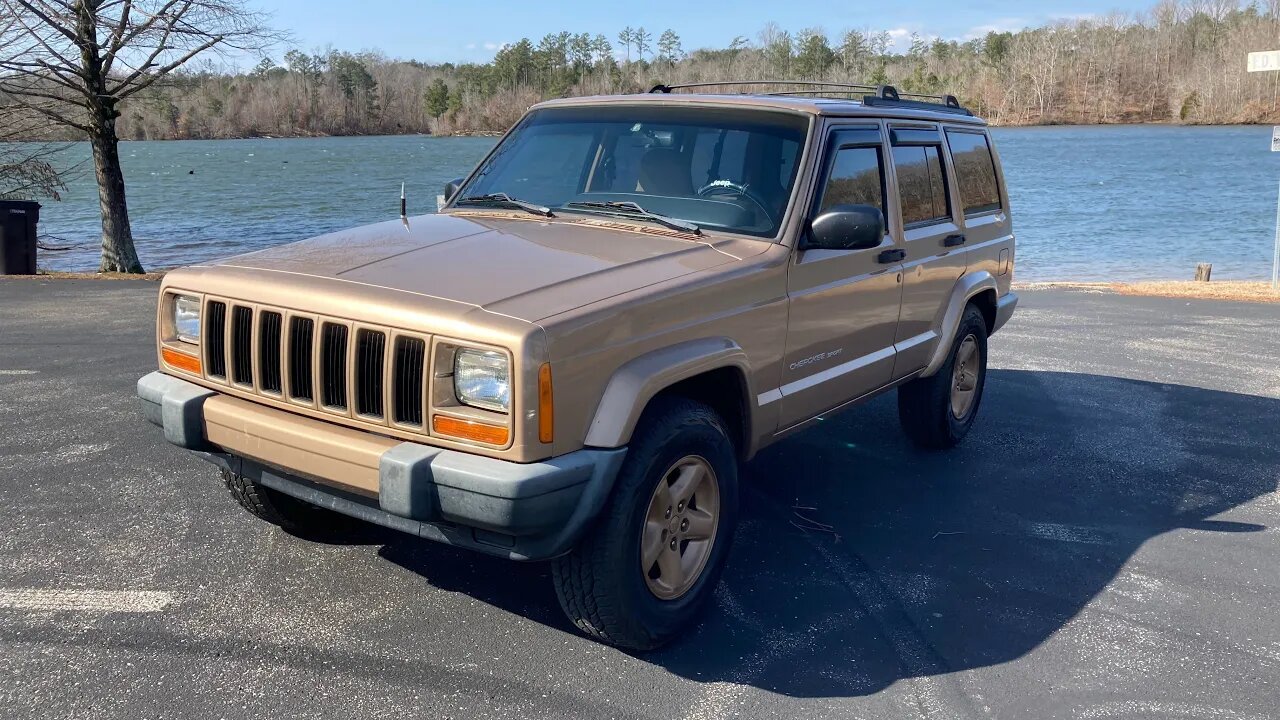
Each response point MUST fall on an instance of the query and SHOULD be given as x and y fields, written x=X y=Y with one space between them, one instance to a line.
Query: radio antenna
x=404 y=211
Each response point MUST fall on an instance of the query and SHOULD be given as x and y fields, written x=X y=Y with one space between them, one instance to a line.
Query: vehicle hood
x=525 y=268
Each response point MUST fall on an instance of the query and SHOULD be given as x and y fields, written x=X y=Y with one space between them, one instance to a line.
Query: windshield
x=716 y=169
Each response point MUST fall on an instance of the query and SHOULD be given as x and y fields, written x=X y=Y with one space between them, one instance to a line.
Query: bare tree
x=74 y=61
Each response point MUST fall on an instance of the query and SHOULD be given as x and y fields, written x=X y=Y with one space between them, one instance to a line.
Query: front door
x=933 y=239
x=843 y=303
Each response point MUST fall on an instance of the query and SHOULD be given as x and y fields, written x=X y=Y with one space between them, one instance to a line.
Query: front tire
x=937 y=412
x=289 y=513
x=653 y=558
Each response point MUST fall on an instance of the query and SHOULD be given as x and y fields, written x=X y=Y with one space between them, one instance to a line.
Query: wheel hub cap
x=680 y=527
x=964 y=377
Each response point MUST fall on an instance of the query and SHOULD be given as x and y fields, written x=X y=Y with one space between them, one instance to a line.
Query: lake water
x=1089 y=203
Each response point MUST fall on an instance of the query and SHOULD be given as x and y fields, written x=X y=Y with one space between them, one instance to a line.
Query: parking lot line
x=104 y=601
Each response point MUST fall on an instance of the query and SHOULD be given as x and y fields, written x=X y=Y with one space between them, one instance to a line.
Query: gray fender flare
x=965 y=290
x=635 y=383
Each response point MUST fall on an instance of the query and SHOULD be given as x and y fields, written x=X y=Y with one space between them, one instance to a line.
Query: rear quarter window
x=975 y=169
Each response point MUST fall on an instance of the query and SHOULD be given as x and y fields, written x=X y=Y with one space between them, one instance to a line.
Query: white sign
x=1275 y=139
x=1264 y=61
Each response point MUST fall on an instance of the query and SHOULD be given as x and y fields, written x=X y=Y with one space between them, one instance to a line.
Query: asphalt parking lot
x=1104 y=545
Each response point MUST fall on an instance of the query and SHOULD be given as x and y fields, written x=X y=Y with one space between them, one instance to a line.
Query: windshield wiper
x=502 y=199
x=632 y=209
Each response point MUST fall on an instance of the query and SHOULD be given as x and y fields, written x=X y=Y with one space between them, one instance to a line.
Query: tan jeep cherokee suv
x=627 y=298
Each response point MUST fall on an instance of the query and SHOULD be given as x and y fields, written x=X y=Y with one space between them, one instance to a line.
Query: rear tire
x=649 y=565
x=289 y=513
x=937 y=412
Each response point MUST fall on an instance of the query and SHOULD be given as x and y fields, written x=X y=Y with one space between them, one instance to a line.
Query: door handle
x=892 y=256
x=954 y=240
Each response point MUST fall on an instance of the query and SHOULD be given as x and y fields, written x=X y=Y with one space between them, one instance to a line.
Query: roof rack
x=879 y=95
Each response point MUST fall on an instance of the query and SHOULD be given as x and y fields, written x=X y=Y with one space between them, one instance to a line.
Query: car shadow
x=860 y=561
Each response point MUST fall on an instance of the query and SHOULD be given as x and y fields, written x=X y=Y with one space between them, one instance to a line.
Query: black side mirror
x=846 y=227
x=452 y=187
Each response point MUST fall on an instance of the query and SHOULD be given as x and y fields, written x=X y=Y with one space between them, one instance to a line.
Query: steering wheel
x=728 y=187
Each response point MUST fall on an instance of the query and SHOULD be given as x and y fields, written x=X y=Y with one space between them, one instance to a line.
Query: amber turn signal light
x=181 y=361
x=546 y=410
x=468 y=430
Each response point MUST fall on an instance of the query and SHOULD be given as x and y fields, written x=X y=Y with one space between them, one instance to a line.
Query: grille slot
x=241 y=345
x=301 y=340
x=370 y=350
x=407 y=376
x=333 y=366
x=215 y=340
x=270 y=325
x=368 y=373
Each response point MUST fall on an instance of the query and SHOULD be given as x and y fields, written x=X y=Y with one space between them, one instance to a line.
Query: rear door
x=985 y=214
x=931 y=235
x=843 y=303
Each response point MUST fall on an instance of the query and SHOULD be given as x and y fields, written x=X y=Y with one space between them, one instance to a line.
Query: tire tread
x=587 y=581
x=924 y=404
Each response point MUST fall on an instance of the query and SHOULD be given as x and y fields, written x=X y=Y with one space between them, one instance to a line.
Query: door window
x=922 y=185
x=975 y=171
x=856 y=178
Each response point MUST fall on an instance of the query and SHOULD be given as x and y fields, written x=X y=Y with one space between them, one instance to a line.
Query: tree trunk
x=118 y=253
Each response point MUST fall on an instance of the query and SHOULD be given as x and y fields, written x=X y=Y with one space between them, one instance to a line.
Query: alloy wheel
x=680 y=527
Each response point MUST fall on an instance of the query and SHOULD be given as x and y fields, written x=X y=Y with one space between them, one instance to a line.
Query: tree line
x=1181 y=62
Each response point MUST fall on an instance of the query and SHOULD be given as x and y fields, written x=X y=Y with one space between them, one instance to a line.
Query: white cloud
x=471 y=46
x=899 y=39
x=1001 y=25
x=492 y=46
x=1074 y=17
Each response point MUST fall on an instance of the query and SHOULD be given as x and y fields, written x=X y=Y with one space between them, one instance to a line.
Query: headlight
x=186 y=318
x=482 y=379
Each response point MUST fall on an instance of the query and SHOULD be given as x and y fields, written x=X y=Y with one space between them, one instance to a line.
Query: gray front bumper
x=516 y=510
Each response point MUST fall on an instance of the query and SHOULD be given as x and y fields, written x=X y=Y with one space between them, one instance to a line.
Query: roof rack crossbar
x=882 y=95
x=726 y=83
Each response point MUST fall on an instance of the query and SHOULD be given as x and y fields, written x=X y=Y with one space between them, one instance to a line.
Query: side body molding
x=636 y=382
x=965 y=290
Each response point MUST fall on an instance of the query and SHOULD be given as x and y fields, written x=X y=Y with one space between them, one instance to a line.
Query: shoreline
x=500 y=133
x=1255 y=291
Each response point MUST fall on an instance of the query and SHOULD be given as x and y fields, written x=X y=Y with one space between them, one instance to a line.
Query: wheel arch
x=713 y=371
x=979 y=288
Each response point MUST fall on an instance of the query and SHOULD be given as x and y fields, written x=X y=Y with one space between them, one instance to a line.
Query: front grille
x=371 y=374
x=269 y=327
x=301 y=345
x=370 y=348
x=241 y=345
x=215 y=340
x=407 y=378
x=333 y=366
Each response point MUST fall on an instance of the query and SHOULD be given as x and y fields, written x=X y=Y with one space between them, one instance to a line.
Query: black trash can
x=18 y=220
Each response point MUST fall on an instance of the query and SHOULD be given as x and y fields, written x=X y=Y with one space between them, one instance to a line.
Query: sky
x=469 y=31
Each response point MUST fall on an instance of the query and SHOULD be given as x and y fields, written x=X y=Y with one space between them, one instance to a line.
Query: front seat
x=664 y=171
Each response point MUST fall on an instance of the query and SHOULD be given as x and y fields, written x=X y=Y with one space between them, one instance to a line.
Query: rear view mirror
x=846 y=227
x=451 y=188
